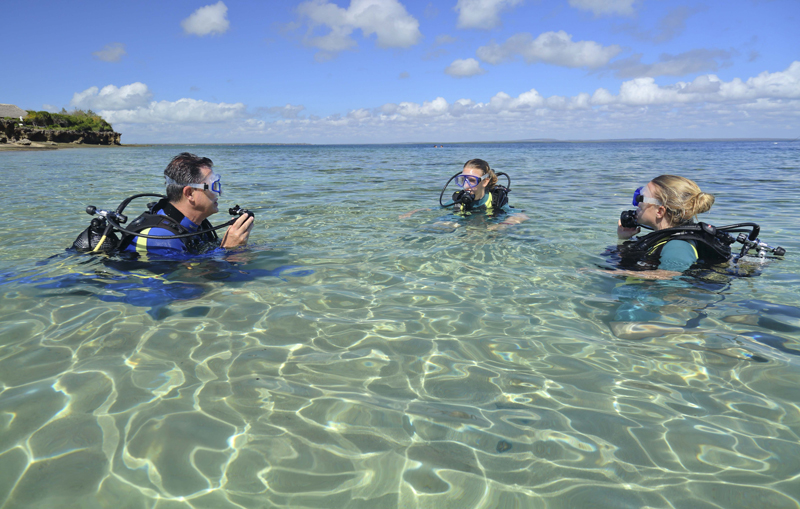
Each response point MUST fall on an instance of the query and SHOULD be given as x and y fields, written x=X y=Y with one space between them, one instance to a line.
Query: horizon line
x=533 y=140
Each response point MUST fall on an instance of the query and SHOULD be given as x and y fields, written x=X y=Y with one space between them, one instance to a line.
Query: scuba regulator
x=628 y=219
x=237 y=211
x=463 y=200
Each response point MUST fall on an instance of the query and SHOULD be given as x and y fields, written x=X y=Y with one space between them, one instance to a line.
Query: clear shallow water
x=349 y=358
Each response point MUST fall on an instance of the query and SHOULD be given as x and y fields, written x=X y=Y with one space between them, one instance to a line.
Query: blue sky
x=394 y=71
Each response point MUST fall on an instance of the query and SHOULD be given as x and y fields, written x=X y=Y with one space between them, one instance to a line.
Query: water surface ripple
x=352 y=359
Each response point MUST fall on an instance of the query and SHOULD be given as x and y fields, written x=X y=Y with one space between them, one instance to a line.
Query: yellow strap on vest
x=665 y=241
x=657 y=246
x=488 y=203
x=141 y=242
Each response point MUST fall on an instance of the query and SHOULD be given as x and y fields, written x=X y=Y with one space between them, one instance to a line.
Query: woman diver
x=480 y=193
x=665 y=203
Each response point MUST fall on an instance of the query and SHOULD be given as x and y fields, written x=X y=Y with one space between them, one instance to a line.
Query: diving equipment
x=237 y=211
x=464 y=200
x=713 y=243
x=639 y=197
x=628 y=219
x=101 y=236
x=215 y=185
x=470 y=180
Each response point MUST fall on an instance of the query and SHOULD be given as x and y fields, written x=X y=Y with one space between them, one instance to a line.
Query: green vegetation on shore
x=75 y=120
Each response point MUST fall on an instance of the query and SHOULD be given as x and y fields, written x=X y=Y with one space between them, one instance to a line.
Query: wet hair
x=185 y=168
x=682 y=198
x=480 y=164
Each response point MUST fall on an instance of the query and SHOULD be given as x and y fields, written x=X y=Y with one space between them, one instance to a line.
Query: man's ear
x=187 y=193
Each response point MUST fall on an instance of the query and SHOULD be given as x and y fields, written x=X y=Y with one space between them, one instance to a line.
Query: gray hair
x=185 y=168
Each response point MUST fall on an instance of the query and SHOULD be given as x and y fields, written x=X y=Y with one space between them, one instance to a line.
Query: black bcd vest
x=712 y=246
x=170 y=221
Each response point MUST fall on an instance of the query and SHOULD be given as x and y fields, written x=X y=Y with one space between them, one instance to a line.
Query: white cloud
x=388 y=20
x=464 y=68
x=709 y=88
x=690 y=62
x=556 y=48
x=176 y=112
x=111 y=52
x=359 y=114
x=211 y=19
x=483 y=14
x=604 y=7
x=764 y=105
x=428 y=109
x=288 y=111
x=112 y=98
x=704 y=101
x=670 y=26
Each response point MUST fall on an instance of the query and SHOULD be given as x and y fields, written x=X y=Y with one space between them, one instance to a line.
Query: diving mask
x=469 y=180
x=215 y=183
x=639 y=197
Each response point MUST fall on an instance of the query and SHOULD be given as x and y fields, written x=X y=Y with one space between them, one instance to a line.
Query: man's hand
x=238 y=233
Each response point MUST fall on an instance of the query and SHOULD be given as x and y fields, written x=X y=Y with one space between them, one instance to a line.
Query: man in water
x=193 y=190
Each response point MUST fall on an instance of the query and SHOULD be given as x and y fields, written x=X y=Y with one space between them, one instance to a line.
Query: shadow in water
x=152 y=284
x=653 y=309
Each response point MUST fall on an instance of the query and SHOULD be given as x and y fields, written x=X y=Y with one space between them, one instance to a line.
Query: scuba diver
x=177 y=223
x=669 y=205
x=480 y=193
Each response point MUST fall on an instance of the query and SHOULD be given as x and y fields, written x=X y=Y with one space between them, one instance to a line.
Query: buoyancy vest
x=712 y=246
x=170 y=220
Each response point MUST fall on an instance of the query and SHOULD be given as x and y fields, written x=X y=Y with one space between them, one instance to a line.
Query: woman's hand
x=510 y=220
x=237 y=234
x=409 y=214
x=626 y=233
x=658 y=274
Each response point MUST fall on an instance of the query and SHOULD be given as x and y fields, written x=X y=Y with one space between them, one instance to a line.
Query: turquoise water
x=349 y=358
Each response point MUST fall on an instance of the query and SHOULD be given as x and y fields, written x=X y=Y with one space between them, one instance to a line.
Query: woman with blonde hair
x=668 y=202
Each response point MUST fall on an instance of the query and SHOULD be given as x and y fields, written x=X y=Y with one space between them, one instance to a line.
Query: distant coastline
x=9 y=147
x=611 y=140
x=443 y=143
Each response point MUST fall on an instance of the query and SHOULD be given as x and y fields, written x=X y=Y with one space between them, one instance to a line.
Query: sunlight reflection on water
x=349 y=358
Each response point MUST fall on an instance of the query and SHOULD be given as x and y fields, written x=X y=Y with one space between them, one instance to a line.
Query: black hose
x=508 y=187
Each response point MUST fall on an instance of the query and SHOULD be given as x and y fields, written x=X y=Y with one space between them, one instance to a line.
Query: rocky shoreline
x=15 y=136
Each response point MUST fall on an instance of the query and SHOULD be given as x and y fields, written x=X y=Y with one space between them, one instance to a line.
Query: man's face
x=206 y=200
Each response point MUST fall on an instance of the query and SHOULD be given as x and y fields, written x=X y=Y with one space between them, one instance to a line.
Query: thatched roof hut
x=9 y=110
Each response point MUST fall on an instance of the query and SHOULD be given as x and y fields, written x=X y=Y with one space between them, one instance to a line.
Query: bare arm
x=409 y=214
x=648 y=274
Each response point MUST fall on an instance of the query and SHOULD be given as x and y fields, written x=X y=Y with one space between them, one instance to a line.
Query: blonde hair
x=480 y=164
x=682 y=198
